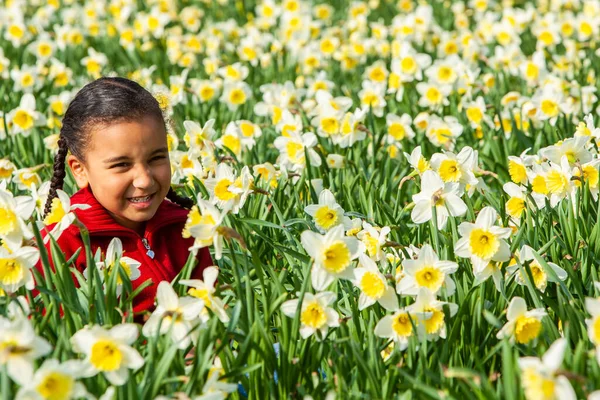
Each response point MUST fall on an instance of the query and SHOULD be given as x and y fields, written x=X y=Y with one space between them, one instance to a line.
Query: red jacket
x=162 y=236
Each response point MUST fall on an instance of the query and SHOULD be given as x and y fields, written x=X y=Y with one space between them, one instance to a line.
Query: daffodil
x=456 y=167
x=205 y=290
x=108 y=351
x=483 y=241
x=315 y=313
x=399 y=128
x=25 y=117
x=15 y=267
x=229 y=191
x=174 y=315
x=61 y=214
x=203 y=224
x=517 y=202
x=445 y=197
x=416 y=160
x=292 y=151
x=523 y=326
x=443 y=132
x=373 y=286
x=574 y=149
x=427 y=271
x=540 y=377
x=235 y=94
x=541 y=277
x=332 y=255
x=432 y=324
x=54 y=380
x=19 y=347
x=14 y=211
x=114 y=253
x=327 y=213
x=373 y=238
x=197 y=137
x=399 y=327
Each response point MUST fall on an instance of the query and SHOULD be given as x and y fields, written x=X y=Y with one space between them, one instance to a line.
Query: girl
x=114 y=141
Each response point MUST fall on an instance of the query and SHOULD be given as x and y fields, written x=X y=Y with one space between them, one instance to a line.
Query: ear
x=78 y=169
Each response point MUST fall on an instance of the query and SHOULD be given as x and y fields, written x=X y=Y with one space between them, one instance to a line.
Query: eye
x=120 y=165
x=161 y=157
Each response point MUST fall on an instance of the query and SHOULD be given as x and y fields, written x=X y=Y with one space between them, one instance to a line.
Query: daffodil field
x=400 y=198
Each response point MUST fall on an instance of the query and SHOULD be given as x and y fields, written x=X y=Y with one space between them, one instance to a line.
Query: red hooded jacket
x=162 y=250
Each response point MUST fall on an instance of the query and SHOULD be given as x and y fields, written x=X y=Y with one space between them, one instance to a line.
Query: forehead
x=126 y=138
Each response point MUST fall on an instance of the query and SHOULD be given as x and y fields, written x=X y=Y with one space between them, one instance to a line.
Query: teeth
x=139 y=199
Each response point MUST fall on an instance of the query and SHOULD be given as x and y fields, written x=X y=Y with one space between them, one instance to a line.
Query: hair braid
x=59 y=173
x=183 y=201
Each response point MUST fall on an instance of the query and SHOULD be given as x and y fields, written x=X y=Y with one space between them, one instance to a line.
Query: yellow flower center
x=56 y=386
x=8 y=221
x=232 y=143
x=125 y=268
x=207 y=93
x=237 y=97
x=295 y=152
x=247 y=129
x=56 y=213
x=445 y=74
x=372 y=285
x=330 y=125
x=430 y=277
x=549 y=107
x=484 y=244
x=433 y=95
x=370 y=243
x=518 y=173
x=397 y=131
x=222 y=190
x=106 y=356
x=313 y=315
x=449 y=171
x=540 y=278
x=326 y=217
x=557 y=182
x=596 y=328
x=539 y=185
x=23 y=119
x=377 y=74
x=422 y=165
x=474 y=115
x=527 y=329
x=408 y=65
x=435 y=322
x=11 y=271
x=402 y=325
x=201 y=294
x=336 y=257
x=515 y=207
x=442 y=135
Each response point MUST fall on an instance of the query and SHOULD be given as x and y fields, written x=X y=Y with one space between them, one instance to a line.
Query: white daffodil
x=205 y=290
x=215 y=389
x=399 y=128
x=332 y=254
x=231 y=139
x=558 y=181
x=130 y=266
x=482 y=241
x=292 y=150
x=19 y=347
x=175 y=315
x=235 y=94
x=492 y=269
x=203 y=224
x=351 y=130
x=417 y=161
x=445 y=197
x=539 y=274
x=228 y=191
x=54 y=380
x=198 y=138
x=373 y=286
x=315 y=313
x=540 y=377
x=431 y=321
x=108 y=351
x=61 y=214
x=517 y=203
x=399 y=327
x=13 y=214
x=15 y=267
x=593 y=324
x=575 y=149
x=373 y=239
x=328 y=213
x=25 y=117
x=523 y=326
x=456 y=167
x=427 y=271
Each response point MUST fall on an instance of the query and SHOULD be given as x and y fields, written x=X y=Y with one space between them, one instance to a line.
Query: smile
x=143 y=201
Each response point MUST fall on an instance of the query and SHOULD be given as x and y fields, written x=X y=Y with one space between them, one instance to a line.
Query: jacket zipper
x=149 y=251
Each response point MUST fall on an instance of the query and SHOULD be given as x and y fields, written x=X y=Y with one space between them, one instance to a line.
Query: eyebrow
x=125 y=158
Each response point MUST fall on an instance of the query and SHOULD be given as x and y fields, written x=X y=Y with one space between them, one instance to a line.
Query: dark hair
x=102 y=102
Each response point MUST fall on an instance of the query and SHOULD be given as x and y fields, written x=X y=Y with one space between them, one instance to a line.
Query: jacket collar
x=97 y=219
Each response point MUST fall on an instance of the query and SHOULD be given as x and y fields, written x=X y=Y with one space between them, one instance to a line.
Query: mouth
x=141 y=201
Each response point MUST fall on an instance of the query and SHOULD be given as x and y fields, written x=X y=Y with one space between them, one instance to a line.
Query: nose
x=143 y=178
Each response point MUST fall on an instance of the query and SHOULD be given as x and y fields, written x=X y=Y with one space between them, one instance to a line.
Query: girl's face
x=127 y=167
